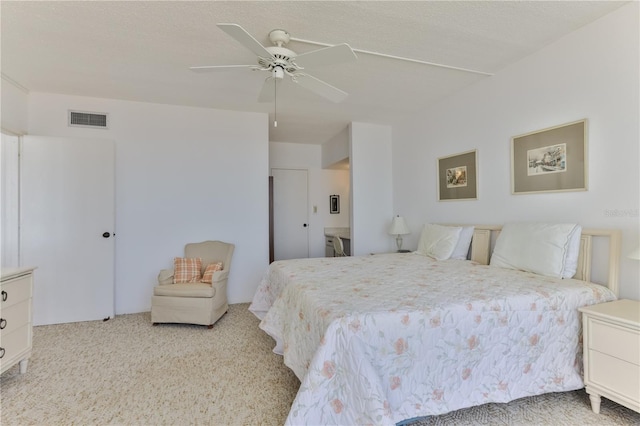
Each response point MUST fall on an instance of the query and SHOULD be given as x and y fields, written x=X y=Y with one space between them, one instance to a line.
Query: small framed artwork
x=458 y=177
x=334 y=204
x=550 y=160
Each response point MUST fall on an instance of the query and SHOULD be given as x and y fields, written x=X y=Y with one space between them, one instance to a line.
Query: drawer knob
x=1 y=352
x=3 y=323
x=4 y=296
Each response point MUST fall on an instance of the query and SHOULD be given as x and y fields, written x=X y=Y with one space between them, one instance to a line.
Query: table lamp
x=398 y=228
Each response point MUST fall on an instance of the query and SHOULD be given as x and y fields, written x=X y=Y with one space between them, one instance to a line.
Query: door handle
x=304 y=225
x=106 y=235
x=4 y=296
x=3 y=323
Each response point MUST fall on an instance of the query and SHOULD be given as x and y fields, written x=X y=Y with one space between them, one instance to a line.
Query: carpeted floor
x=127 y=372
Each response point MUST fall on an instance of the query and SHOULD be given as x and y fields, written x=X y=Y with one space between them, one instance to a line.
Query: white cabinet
x=16 y=318
x=611 y=338
x=328 y=247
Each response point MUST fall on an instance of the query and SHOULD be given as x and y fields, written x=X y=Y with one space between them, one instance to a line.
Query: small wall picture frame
x=458 y=176
x=550 y=160
x=334 y=204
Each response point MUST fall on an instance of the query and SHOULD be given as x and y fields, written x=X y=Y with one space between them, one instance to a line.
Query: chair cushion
x=187 y=270
x=207 y=277
x=184 y=290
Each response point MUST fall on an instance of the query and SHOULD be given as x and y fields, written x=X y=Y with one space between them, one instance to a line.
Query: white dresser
x=15 y=318
x=611 y=338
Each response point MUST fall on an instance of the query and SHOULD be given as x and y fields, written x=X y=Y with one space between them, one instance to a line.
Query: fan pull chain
x=275 y=102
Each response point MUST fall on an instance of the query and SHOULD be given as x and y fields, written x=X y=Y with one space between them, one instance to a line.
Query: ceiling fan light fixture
x=279 y=37
x=278 y=61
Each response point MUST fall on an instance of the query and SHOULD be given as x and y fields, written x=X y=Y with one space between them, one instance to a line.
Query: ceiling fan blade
x=267 y=93
x=209 y=68
x=320 y=87
x=245 y=39
x=327 y=56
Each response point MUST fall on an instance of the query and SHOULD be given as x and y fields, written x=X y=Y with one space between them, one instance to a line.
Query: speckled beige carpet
x=127 y=372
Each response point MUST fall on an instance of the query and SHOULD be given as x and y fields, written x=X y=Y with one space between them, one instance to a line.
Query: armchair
x=197 y=302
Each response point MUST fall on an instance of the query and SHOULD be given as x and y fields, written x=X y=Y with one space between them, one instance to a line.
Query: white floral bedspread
x=384 y=338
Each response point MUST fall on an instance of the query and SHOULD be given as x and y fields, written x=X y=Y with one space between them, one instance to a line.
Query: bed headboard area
x=484 y=237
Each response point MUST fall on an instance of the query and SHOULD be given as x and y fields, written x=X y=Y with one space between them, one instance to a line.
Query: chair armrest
x=220 y=276
x=165 y=276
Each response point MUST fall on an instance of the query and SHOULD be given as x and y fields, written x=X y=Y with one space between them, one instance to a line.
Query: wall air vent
x=96 y=120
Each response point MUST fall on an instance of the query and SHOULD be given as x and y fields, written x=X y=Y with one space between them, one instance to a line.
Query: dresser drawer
x=14 y=344
x=617 y=376
x=15 y=291
x=14 y=317
x=613 y=340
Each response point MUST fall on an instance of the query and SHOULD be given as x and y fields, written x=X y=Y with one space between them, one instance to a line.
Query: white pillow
x=535 y=247
x=438 y=241
x=461 y=250
x=571 y=262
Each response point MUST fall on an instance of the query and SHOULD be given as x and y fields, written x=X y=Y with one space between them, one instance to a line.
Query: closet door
x=66 y=227
x=291 y=220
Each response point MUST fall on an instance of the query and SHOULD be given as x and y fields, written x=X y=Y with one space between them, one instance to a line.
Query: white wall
x=13 y=106
x=592 y=73
x=322 y=184
x=336 y=149
x=371 y=188
x=9 y=201
x=182 y=175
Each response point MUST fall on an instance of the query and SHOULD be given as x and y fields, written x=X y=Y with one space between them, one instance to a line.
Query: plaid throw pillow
x=186 y=270
x=207 y=277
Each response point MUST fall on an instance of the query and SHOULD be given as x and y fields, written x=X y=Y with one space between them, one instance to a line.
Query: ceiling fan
x=280 y=61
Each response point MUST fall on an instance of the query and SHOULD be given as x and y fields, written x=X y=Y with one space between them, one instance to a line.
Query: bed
x=385 y=338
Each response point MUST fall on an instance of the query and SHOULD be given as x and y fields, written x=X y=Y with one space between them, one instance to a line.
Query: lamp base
x=399 y=242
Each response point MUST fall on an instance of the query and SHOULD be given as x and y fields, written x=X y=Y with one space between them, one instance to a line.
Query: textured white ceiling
x=141 y=50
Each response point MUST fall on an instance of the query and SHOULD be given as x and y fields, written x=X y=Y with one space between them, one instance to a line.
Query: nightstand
x=15 y=324
x=611 y=339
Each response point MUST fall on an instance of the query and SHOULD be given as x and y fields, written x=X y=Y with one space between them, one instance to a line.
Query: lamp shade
x=399 y=226
x=634 y=254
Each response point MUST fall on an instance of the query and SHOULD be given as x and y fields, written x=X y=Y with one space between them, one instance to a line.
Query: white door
x=290 y=214
x=66 y=227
